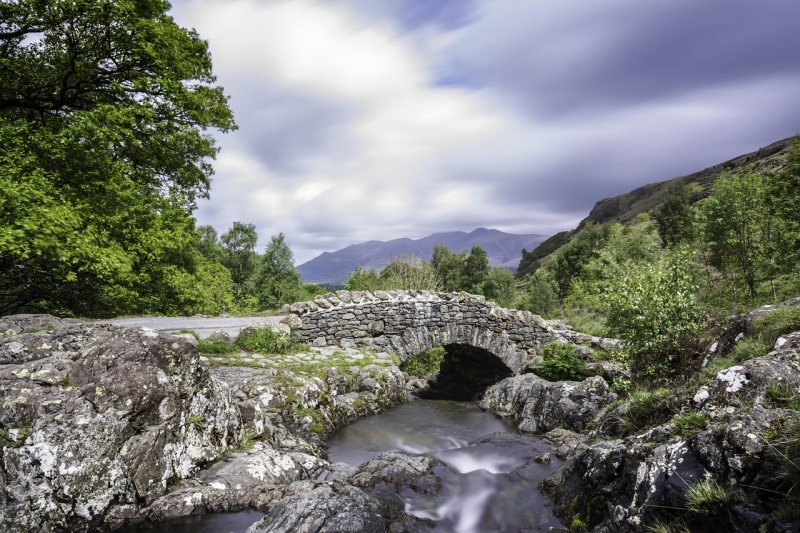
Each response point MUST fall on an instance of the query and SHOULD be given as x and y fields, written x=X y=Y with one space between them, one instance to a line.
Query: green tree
x=104 y=148
x=476 y=268
x=277 y=282
x=239 y=245
x=209 y=245
x=739 y=226
x=653 y=310
x=409 y=272
x=449 y=267
x=674 y=216
x=363 y=280
x=541 y=295
x=499 y=286
x=573 y=257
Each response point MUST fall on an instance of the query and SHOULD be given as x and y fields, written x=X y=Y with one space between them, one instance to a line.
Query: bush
x=561 y=364
x=264 y=340
x=689 y=423
x=652 y=309
x=425 y=363
x=216 y=347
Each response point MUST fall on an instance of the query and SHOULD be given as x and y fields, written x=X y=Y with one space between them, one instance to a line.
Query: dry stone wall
x=409 y=322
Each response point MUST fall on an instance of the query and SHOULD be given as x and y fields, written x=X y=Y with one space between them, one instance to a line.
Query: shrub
x=689 y=423
x=648 y=408
x=561 y=364
x=425 y=363
x=652 y=309
x=216 y=347
x=780 y=395
x=750 y=348
x=707 y=497
x=264 y=340
x=776 y=323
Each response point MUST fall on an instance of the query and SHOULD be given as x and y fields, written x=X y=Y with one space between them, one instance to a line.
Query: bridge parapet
x=410 y=322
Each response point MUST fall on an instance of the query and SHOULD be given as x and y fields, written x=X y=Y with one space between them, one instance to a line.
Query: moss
x=37 y=330
x=8 y=441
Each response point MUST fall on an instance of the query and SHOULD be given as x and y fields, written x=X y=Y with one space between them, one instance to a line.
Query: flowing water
x=492 y=482
x=490 y=485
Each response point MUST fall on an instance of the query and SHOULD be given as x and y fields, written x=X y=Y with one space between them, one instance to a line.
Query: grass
x=264 y=340
x=585 y=320
x=780 y=395
x=425 y=363
x=750 y=348
x=190 y=332
x=709 y=498
x=648 y=408
x=667 y=527
x=776 y=323
x=216 y=347
x=688 y=423
x=37 y=330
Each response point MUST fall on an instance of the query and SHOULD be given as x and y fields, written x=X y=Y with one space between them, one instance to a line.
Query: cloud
x=364 y=120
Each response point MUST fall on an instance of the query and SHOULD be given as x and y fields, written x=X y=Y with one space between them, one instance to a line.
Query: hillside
x=333 y=267
x=624 y=207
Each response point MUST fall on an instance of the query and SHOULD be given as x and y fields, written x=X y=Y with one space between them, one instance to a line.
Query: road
x=202 y=326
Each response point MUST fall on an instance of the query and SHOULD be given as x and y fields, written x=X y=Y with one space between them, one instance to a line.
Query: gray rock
x=292 y=321
x=103 y=419
x=540 y=405
x=220 y=335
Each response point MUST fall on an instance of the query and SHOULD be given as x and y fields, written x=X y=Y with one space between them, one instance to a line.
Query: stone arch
x=484 y=342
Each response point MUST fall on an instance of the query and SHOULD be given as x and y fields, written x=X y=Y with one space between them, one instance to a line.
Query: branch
x=20 y=32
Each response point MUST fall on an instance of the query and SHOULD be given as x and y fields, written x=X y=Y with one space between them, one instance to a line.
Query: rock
x=325 y=507
x=188 y=337
x=584 y=352
x=319 y=342
x=543 y=458
x=541 y=406
x=292 y=321
x=102 y=419
x=220 y=335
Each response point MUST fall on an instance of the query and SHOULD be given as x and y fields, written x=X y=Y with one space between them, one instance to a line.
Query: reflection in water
x=207 y=523
x=491 y=484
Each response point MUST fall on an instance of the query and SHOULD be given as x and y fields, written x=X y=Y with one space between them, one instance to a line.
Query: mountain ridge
x=332 y=267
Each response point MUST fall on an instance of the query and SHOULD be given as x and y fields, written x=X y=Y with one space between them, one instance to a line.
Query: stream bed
x=489 y=479
x=492 y=481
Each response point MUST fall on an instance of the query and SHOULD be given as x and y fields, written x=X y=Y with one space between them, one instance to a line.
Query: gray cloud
x=450 y=115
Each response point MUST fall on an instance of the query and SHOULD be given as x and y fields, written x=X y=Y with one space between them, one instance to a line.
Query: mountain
x=624 y=207
x=333 y=267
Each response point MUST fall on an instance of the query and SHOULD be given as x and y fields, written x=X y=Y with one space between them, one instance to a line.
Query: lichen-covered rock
x=541 y=405
x=97 y=417
x=330 y=507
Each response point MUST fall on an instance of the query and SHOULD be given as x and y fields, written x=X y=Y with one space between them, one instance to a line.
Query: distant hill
x=624 y=207
x=332 y=267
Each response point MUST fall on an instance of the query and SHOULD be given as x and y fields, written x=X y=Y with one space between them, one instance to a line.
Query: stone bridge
x=484 y=343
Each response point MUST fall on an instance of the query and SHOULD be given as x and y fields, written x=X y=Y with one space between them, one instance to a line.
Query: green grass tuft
x=216 y=347
x=687 y=424
x=780 y=395
x=709 y=498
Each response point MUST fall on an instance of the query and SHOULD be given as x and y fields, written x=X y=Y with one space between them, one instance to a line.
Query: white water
x=489 y=487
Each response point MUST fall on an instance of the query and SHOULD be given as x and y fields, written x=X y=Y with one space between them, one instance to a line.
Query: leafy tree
x=541 y=295
x=475 y=270
x=532 y=260
x=363 y=280
x=674 y=216
x=573 y=257
x=104 y=148
x=448 y=266
x=239 y=245
x=277 y=282
x=209 y=245
x=409 y=272
x=738 y=226
x=653 y=310
x=499 y=286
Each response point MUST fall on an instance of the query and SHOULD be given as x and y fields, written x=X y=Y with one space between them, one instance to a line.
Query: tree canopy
x=105 y=108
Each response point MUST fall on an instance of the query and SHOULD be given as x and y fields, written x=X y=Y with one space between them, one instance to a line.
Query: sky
x=377 y=119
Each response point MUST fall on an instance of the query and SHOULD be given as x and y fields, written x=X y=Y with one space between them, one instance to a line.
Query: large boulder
x=99 y=419
x=541 y=405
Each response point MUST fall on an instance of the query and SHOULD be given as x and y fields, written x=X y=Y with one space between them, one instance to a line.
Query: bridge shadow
x=465 y=373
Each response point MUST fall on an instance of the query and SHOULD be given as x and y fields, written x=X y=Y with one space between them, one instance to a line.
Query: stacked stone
x=410 y=322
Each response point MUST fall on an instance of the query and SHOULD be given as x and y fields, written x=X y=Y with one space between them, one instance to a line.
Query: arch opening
x=465 y=373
